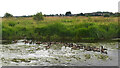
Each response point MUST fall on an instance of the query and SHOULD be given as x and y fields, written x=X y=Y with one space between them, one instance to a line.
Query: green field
x=61 y=28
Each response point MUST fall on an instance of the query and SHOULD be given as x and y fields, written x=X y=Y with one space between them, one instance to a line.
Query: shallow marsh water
x=36 y=55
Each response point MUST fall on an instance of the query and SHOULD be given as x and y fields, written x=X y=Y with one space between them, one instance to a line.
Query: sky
x=31 y=7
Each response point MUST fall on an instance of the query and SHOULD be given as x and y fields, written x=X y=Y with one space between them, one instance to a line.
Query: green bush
x=38 y=17
x=106 y=15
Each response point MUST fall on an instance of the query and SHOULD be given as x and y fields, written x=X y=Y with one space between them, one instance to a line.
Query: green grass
x=61 y=28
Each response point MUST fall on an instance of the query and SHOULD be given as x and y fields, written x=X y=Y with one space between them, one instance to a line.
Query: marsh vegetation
x=61 y=28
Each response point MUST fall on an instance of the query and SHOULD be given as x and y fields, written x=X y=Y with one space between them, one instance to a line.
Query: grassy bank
x=61 y=28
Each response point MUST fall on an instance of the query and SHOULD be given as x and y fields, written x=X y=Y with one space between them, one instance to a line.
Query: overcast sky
x=30 y=7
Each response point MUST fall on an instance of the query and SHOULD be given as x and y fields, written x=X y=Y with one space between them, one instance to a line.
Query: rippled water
x=31 y=54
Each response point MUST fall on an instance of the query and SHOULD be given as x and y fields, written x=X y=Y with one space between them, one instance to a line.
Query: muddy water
x=37 y=55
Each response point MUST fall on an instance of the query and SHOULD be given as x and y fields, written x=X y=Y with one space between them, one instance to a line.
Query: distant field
x=61 y=28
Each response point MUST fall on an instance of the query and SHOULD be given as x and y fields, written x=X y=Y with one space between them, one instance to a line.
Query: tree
x=8 y=15
x=38 y=16
x=81 y=14
x=106 y=15
x=68 y=13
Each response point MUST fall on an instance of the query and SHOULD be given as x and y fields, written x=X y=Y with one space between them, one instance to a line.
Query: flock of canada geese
x=71 y=45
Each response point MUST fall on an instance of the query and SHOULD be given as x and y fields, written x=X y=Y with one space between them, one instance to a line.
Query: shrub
x=106 y=15
x=38 y=16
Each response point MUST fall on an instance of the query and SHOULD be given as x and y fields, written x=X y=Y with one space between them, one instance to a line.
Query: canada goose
x=78 y=47
x=74 y=47
x=70 y=44
x=96 y=49
x=38 y=42
x=25 y=41
x=65 y=45
x=103 y=50
x=81 y=47
x=15 y=41
x=48 y=46
x=44 y=43
x=88 y=48
x=52 y=42
x=57 y=42
x=30 y=42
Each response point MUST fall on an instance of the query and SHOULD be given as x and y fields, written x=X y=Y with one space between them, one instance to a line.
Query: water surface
x=37 y=55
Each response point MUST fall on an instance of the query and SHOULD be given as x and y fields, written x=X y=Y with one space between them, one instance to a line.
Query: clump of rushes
x=20 y=60
x=87 y=56
x=102 y=57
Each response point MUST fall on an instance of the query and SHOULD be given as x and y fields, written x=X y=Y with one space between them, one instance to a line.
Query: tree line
x=99 y=13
